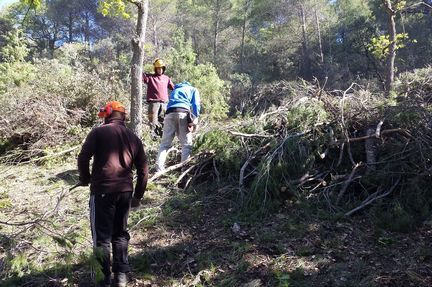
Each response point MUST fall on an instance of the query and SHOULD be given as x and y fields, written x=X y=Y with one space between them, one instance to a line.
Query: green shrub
x=306 y=113
x=227 y=148
x=394 y=217
x=14 y=70
x=289 y=161
x=214 y=92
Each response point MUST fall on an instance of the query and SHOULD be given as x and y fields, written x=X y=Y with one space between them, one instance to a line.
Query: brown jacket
x=115 y=149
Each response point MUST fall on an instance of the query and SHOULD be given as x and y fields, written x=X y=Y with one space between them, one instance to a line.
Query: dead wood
x=371 y=198
x=347 y=183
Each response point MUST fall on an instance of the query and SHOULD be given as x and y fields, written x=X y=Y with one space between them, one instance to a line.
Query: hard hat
x=106 y=111
x=158 y=63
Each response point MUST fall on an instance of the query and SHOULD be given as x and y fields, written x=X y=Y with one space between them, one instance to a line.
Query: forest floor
x=198 y=237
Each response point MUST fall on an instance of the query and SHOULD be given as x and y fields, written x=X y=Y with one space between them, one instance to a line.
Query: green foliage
x=213 y=90
x=395 y=218
x=227 y=148
x=306 y=114
x=5 y=201
x=146 y=217
x=241 y=93
x=380 y=46
x=32 y=3
x=14 y=70
x=113 y=8
x=20 y=265
x=288 y=161
x=90 y=260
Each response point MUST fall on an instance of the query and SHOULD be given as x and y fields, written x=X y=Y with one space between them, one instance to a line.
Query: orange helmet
x=106 y=111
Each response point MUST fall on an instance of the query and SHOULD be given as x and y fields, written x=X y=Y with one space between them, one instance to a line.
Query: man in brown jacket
x=115 y=151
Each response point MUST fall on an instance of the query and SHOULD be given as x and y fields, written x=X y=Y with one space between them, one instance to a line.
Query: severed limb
x=371 y=198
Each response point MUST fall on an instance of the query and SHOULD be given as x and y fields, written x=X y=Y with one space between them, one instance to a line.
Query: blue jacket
x=185 y=96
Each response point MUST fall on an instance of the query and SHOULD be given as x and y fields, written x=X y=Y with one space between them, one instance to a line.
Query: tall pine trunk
x=305 y=65
x=391 y=15
x=243 y=38
x=216 y=32
x=136 y=67
x=319 y=37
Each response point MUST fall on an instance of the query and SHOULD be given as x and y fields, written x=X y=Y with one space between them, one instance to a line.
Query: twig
x=180 y=165
x=262 y=116
x=378 y=129
x=55 y=154
x=217 y=173
x=250 y=135
x=184 y=174
x=347 y=182
x=399 y=130
x=171 y=168
x=371 y=198
x=242 y=171
x=47 y=214
x=341 y=154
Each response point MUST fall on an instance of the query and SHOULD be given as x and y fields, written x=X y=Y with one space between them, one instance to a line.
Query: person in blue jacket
x=181 y=118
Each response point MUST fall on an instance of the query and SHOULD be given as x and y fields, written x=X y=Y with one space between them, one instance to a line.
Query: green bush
x=14 y=70
x=214 y=92
x=306 y=113
x=228 y=150
x=289 y=161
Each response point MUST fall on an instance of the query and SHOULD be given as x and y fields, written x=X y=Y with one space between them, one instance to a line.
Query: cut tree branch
x=371 y=198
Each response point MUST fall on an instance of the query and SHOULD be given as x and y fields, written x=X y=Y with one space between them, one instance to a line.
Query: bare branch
x=347 y=183
x=371 y=198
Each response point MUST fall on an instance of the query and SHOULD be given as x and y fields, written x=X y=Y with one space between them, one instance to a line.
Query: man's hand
x=82 y=183
x=135 y=202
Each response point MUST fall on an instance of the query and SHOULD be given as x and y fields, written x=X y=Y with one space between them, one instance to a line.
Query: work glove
x=135 y=202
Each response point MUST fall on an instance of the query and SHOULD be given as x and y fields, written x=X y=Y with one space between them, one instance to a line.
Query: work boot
x=120 y=279
x=106 y=282
x=158 y=131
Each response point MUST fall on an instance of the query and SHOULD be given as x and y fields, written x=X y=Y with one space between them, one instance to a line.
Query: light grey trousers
x=175 y=124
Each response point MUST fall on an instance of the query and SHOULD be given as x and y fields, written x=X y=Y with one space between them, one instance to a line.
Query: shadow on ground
x=198 y=238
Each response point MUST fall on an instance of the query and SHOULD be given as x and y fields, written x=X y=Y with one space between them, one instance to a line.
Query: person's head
x=159 y=66
x=112 y=110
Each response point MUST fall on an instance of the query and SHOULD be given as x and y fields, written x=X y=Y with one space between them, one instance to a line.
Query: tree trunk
x=242 y=42
x=319 y=37
x=155 y=39
x=136 y=68
x=216 y=31
x=87 y=29
x=392 y=48
x=305 y=66
x=245 y=16
x=70 y=28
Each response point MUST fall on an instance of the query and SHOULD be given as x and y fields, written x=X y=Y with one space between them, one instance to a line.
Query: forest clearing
x=302 y=154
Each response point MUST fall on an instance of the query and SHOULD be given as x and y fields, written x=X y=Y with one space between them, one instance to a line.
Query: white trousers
x=175 y=124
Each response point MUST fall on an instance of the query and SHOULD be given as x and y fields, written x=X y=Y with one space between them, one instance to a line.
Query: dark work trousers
x=108 y=218
x=156 y=113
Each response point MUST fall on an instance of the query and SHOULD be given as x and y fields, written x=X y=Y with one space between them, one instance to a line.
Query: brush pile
x=348 y=149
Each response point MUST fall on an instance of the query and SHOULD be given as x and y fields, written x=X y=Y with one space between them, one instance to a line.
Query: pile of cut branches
x=55 y=109
x=349 y=149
